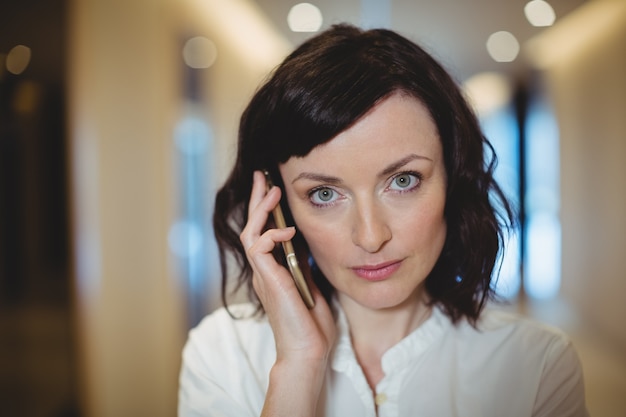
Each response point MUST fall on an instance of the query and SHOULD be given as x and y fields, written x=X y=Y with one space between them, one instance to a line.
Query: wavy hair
x=324 y=87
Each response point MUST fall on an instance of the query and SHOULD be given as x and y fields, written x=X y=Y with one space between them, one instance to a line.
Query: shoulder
x=510 y=337
x=494 y=320
x=239 y=318
x=528 y=363
x=521 y=329
x=542 y=354
x=228 y=336
x=225 y=364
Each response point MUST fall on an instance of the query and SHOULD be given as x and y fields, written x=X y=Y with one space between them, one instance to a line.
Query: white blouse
x=507 y=366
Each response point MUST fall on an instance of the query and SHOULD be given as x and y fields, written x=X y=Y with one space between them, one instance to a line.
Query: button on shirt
x=506 y=366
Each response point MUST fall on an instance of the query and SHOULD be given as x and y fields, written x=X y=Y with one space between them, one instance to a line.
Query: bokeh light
x=18 y=59
x=488 y=91
x=539 y=13
x=304 y=17
x=199 y=52
x=503 y=46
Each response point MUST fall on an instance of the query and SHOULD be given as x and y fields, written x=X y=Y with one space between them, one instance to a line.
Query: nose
x=370 y=229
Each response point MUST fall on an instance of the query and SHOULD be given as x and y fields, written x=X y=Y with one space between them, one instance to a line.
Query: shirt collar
x=413 y=345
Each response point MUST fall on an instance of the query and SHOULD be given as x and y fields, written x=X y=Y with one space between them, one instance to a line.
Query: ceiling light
x=304 y=17
x=539 y=13
x=503 y=46
x=240 y=27
x=576 y=33
x=488 y=92
x=199 y=52
x=18 y=59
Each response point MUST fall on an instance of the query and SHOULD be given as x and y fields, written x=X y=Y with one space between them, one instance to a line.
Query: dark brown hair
x=324 y=87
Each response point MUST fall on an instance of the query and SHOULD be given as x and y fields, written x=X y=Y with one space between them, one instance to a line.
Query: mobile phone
x=290 y=254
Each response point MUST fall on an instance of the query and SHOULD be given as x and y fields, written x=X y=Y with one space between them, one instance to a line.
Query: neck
x=378 y=330
x=373 y=332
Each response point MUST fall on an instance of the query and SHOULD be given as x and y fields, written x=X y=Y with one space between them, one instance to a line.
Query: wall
x=125 y=97
x=128 y=307
x=585 y=66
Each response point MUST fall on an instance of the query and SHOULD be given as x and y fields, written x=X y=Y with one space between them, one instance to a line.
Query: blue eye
x=323 y=196
x=404 y=182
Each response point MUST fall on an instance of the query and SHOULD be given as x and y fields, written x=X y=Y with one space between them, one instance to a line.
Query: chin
x=385 y=298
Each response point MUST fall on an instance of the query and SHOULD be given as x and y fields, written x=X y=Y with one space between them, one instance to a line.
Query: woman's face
x=370 y=204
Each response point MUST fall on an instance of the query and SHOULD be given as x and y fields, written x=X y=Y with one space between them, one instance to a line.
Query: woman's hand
x=299 y=333
x=303 y=337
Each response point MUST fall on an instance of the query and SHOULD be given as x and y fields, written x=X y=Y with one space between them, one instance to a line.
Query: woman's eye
x=404 y=182
x=323 y=196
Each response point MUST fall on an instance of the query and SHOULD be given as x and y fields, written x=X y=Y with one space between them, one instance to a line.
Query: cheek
x=319 y=235
x=326 y=242
x=423 y=230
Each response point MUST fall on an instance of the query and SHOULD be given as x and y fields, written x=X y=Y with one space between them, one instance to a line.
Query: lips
x=378 y=272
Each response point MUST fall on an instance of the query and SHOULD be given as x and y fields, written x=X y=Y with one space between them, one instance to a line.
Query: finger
x=266 y=243
x=258 y=218
x=268 y=272
x=258 y=215
x=258 y=191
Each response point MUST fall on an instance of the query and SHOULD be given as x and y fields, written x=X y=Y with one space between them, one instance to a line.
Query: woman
x=380 y=165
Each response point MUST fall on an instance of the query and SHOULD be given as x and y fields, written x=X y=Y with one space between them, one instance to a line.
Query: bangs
x=315 y=96
x=315 y=113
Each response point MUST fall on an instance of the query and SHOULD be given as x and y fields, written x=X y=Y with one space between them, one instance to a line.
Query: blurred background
x=118 y=121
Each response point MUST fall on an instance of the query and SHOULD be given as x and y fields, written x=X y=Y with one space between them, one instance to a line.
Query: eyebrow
x=390 y=169
x=400 y=163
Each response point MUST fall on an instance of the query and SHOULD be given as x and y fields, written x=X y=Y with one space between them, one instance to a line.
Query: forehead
x=396 y=126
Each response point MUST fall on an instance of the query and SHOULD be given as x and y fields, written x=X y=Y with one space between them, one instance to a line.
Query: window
x=528 y=172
